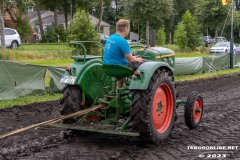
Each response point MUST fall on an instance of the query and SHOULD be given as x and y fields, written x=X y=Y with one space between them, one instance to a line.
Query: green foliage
x=180 y=36
x=148 y=11
x=83 y=30
x=62 y=33
x=187 y=33
x=211 y=14
x=17 y=11
x=181 y=6
x=51 y=4
x=50 y=34
x=192 y=28
x=55 y=33
x=161 y=36
x=23 y=27
x=143 y=9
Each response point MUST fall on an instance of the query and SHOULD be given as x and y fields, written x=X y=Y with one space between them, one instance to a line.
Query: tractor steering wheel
x=134 y=53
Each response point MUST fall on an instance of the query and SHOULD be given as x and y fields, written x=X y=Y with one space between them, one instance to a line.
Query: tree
x=37 y=6
x=102 y=2
x=191 y=29
x=181 y=6
x=84 y=5
x=66 y=8
x=148 y=11
x=17 y=11
x=211 y=14
x=180 y=36
x=50 y=34
x=83 y=30
x=101 y=15
x=53 y=5
x=118 y=9
x=3 y=46
x=161 y=36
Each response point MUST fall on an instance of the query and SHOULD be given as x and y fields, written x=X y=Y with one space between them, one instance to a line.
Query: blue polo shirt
x=115 y=49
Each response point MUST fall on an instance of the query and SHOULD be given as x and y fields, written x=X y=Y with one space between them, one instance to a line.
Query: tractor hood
x=162 y=52
x=156 y=53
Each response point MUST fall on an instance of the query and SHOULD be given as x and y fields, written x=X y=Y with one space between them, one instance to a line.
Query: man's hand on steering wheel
x=139 y=59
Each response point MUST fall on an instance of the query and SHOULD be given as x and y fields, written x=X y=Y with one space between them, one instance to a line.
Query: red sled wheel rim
x=162 y=108
x=197 y=110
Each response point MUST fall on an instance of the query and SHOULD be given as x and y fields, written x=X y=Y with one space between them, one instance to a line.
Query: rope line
x=79 y=113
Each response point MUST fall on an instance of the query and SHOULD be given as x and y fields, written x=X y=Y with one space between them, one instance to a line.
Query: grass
x=176 y=49
x=188 y=55
x=28 y=99
x=199 y=52
x=42 y=46
x=206 y=75
x=38 y=51
x=52 y=62
x=16 y=55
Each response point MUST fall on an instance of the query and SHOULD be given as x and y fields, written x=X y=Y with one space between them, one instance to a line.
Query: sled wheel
x=153 y=110
x=193 y=110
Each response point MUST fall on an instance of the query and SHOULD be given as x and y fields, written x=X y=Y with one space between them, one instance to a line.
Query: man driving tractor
x=117 y=50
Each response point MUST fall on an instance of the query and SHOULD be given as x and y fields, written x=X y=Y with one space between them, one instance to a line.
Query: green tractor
x=145 y=106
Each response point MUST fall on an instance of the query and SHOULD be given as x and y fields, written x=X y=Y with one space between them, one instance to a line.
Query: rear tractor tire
x=70 y=103
x=193 y=110
x=153 y=110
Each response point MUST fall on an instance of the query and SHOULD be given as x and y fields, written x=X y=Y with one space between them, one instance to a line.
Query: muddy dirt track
x=220 y=127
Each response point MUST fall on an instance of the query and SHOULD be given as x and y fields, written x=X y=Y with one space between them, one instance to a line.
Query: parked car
x=12 y=38
x=222 y=47
x=220 y=39
x=103 y=38
x=208 y=40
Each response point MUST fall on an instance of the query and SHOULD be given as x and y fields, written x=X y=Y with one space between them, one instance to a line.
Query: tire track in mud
x=220 y=127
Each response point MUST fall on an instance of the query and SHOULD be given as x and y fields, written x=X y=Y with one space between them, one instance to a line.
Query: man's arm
x=132 y=58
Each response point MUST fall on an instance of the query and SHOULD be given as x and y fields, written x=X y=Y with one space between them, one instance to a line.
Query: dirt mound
x=220 y=127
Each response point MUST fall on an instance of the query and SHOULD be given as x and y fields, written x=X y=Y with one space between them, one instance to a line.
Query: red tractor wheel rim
x=197 y=110
x=162 y=108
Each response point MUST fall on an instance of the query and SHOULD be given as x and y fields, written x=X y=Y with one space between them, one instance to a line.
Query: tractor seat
x=118 y=72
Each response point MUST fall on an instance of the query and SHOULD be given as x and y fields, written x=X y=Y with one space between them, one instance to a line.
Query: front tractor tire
x=193 y=110
x=70 y=102
x=153 y=110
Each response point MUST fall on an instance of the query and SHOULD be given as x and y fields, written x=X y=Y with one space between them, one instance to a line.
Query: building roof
x=48 y=18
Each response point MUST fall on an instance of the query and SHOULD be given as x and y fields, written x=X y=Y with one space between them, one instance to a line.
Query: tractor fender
x=147 y=70
x=81 y=69
x=92 y=80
